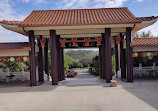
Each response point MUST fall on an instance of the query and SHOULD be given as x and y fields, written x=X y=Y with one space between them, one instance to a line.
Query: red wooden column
x=116 y=57
x=100 y=61
x=40 y=61
x=129 y=55
x=122 y=57
x=59 y=59
x=103 y=57
x=33 y=81
x=107 y=49
x=54 y=64
x=62 y=62
x=46 y=58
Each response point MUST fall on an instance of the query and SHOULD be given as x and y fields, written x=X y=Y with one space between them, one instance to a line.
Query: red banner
x=98 y=41
x=74 y=42
x=86 y=42
x=62 y=43
x=118 y=40
x=42 y=43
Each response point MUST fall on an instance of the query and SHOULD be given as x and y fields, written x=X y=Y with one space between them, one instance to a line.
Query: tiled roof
x=13 y=45
x=11 y=22
x=78 y=17
x=145 y=41
x=146 y=18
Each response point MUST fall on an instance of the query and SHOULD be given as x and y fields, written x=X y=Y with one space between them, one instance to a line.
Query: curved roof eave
x=144 y=24
x=8 y=25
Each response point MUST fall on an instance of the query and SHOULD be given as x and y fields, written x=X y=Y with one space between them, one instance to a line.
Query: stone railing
x=18 y=76
x=145 y=71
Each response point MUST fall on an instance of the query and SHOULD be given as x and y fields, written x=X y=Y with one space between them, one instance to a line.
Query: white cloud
x=139 y=0
x=71 y=4
x=8 y=13
x=25 y=1
x=35 y=1
x=110 y=3
x=153 y=28
x=40 y=1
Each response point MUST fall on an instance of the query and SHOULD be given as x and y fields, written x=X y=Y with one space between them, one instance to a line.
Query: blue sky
x=19 y=9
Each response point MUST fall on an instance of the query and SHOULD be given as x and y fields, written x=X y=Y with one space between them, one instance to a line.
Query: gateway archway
x=54 y=25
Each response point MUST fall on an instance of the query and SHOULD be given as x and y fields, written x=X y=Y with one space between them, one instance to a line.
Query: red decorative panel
x=98 y=41
x=62 y=43
x=86 y=42
x=74 y=42
x=118 y=40
x=42 y=43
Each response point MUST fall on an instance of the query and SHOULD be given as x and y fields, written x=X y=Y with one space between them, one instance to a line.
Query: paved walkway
x=75 y=94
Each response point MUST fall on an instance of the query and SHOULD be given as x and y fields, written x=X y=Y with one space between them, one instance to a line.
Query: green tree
x=67 y=62
x=143 y=34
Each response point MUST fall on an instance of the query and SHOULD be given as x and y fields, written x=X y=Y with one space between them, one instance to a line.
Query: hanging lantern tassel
x=155 y=54
x=118 y=40
x=5 y=59
x=98 y=41
x=86 y=42
x=12 y=59
x=62 y=43
x=42 y=43
x=74 y=42
x=18 y=59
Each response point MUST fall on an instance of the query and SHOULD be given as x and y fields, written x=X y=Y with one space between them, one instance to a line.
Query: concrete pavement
x=82 y=93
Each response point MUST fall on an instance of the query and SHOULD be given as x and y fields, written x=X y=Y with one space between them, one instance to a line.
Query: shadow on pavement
x=145 y=90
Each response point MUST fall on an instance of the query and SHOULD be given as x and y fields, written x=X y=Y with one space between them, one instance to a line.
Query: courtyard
x=82 y=93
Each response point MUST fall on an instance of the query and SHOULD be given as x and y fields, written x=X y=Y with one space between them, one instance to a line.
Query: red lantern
x=140 y=54
x=42 y=43
x=62 y=43
x=98 y=41
x=86 y=42
x=155 y=54
x=74 y=42
x=118 y=40
x=5 y=59
x=18 y=59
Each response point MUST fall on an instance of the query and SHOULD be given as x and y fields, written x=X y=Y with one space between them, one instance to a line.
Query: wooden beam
x=54 y=65
x=129 y=55
x=116 y=57
x=40 y=61
x=107 y=49
x=59 y=59
x=46 y=58
x=103 y=57
x=33 y=81
x=100 y=62
x=62 y=63
x=80 y=35
x=80 y=27
x=122 y=57
x=79 y=31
